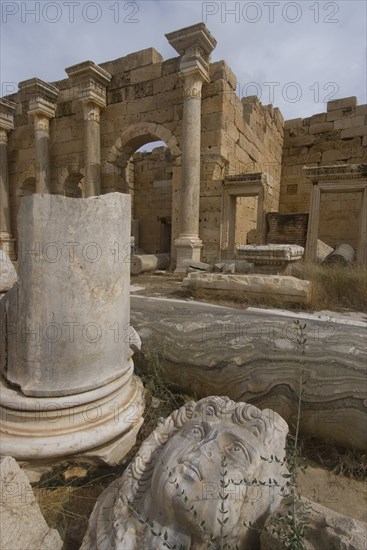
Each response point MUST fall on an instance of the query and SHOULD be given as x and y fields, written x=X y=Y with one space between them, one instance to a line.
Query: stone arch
x=135 y=136
x=116 y=173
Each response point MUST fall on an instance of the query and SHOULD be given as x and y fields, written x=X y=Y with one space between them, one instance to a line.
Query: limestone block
x=321 y=127
x=285 y=288
x=193 y=266
x=325 y=529
x=304 y=140
x=252 y=355
x=149 y=72
x=73 y=286
x=338 y=114
x=341 y=103
x=293 y=123
x=188 y=449
x=22 y=524
x=316 y=119
x=353 y=132
x=8 y=275
x=349 y=122
x=323 y=250
x=220 y=70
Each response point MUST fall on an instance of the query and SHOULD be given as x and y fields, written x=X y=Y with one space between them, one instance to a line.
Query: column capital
x=194 y=44
x=91 y=111
x=7 y=109
x=42 y=97
x=92 y=81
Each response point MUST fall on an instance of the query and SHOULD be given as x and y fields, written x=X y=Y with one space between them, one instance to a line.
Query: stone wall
x=286 y=228
x=153 y=199
x=238 y=136
x=335 y=137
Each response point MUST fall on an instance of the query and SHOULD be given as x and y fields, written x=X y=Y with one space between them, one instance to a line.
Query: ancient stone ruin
x=67 y=383
x=231 y=172
x=235 y=199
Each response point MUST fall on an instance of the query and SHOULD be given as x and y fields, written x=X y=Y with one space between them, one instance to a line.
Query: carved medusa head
x=204 y=458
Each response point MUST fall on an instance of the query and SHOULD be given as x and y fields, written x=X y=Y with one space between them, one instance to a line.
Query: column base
x=7 y=244
x=187 y=248
x=44 y=430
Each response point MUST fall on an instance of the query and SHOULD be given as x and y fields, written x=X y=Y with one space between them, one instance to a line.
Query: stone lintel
x=338 y=171
x=36 y=89
x=256 y=177
x=195 y=38
x=7 y=109
x=92 y=80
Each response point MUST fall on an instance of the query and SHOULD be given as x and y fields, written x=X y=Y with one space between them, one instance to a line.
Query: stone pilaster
x=194 y=44
x=92 y=81
x=313 y=224
x=42 y=107
x=7 y=109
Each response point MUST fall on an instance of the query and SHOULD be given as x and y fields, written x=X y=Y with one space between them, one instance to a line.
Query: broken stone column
x=343 y=255
x=195 y=45
x=141 y=263
x=7 y=109
x=42 y=107
x=69 y=373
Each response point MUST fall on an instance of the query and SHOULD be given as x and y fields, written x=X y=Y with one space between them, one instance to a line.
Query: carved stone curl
x=200 y=453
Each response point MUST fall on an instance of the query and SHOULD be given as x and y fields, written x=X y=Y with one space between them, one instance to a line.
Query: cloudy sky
x=296 y=55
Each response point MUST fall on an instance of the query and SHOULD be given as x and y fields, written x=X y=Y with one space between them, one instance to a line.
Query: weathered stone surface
x=288 y=289
x=8 y=275
x=22 y=525
x=68 y=387
x=326 y=529
x=188 y=448
x=192 y=266
x=73 y=287
x=252 y=355
x=323 y=250
x=342 y=255
x=270 y=253
x=141 y=263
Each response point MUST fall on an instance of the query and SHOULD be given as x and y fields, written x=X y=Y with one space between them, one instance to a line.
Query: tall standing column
x=42 y=107
x=7 y=109
x=194 y=44
x=92 y=82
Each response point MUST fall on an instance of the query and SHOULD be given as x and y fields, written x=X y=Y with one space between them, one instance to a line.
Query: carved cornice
x=92 y=81
x=256 y=177
x=42 y=97
x=36 y=89
x=7 y=109
x=336 y=172
x=193 y=40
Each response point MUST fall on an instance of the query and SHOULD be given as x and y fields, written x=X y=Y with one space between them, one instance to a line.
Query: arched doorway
x=152 y=178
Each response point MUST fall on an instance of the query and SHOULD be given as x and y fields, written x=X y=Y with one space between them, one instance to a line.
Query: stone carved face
x=180 y=465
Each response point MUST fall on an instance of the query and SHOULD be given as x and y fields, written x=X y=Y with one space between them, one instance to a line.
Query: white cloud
x=308 y=52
